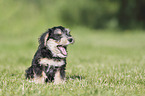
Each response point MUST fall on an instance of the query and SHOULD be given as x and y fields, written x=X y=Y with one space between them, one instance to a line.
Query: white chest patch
x=45 y=61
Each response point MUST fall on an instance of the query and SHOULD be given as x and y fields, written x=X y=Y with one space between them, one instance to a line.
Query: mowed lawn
x=100 y=63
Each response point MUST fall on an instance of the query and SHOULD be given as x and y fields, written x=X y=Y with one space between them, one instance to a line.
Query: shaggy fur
x=49 y=61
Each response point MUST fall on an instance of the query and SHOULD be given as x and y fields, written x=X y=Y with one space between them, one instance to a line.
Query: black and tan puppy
x=49 y=61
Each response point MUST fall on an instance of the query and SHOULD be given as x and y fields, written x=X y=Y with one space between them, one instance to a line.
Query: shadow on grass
x=75 y=77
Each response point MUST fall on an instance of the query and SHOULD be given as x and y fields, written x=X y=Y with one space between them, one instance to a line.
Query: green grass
x=100 y=63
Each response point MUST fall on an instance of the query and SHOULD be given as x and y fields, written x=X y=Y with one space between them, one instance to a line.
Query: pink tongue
x=63 y=50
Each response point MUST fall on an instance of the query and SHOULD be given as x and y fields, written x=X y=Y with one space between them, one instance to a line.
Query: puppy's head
x=56 y=40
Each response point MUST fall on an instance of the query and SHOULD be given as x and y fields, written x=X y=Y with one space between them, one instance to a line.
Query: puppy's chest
x=51 y=62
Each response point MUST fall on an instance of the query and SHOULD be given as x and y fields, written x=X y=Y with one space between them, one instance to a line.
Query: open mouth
x=62 y=49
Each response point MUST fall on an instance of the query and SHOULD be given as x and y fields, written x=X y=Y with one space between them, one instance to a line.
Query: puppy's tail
x=29 y=73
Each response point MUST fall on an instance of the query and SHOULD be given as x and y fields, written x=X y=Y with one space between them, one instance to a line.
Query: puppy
x=49 y=62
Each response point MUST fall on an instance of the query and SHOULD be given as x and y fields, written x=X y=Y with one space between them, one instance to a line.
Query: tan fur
x=45 y=61
x=64 y=41
x=52 y=45
x=57 y=31
x=45 y=39
x=58 y=79
x=41 y=79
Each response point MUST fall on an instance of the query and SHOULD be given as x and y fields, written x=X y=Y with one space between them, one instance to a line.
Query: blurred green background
x=96 y=14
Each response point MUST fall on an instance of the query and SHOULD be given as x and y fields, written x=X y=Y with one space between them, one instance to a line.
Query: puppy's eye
x=57 y=36
x=68 y=33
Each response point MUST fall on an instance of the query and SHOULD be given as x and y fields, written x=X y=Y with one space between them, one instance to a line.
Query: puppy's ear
x=43 y=39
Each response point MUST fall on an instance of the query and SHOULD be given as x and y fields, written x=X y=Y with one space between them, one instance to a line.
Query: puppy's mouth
x=62 y=49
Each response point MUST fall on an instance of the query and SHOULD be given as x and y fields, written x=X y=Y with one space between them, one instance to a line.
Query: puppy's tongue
x=62 y=49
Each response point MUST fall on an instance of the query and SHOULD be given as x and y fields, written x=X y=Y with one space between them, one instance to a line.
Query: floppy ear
x=43 y=39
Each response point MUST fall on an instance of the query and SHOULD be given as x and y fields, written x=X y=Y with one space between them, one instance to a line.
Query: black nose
x=70 y=40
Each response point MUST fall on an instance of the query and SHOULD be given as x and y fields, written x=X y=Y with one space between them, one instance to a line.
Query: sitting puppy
x=49 y=61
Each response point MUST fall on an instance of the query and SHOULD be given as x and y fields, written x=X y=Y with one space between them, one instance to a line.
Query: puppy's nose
x=70 y=40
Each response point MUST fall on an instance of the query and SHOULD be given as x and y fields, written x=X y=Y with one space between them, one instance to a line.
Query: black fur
x=44 y=52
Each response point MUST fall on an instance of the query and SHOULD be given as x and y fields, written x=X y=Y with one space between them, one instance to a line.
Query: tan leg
x=58 y=79
x=40 y=80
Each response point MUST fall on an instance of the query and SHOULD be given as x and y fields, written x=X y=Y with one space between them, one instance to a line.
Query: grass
x=100 y=63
